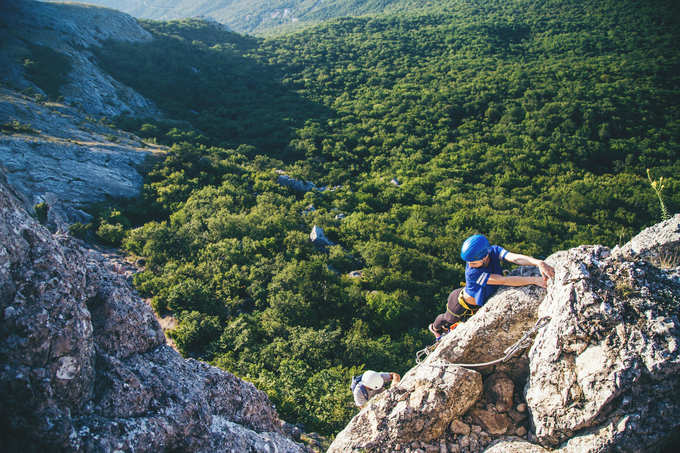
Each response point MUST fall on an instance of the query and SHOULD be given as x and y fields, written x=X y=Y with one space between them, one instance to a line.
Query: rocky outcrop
x=318 y=237
x=53 y=153
x=85 y=366
x=609 y=360
x=63 y=153
x=602 y=374
x=420 y=407
x=296 y=185
x=71 y=30
x=658 y=243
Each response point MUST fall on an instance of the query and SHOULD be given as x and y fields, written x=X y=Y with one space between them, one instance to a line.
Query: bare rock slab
x=514 y=445
x=609 y=353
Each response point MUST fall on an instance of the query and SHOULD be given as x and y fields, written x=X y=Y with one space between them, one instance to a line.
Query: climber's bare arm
x=515 y=280
x=546 y=270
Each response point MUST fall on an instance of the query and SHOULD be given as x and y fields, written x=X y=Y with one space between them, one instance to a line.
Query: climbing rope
x=520 y=344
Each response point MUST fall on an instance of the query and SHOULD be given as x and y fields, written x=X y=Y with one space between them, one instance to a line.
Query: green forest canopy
x=531 y=122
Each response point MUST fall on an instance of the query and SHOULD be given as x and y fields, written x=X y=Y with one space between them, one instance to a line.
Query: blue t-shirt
x=476 y=278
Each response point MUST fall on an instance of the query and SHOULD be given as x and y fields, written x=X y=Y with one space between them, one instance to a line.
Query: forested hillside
x=260 y=16
x=533 y=122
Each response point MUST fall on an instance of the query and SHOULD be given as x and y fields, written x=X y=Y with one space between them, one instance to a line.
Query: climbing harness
x=462 y=317
x=469 y=311
x=520 y=344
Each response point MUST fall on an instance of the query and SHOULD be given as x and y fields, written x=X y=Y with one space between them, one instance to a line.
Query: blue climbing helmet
x=475 y=248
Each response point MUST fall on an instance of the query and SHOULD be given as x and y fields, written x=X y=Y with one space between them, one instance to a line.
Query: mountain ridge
x=263 y=17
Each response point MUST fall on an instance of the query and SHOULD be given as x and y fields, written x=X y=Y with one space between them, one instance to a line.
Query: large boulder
x=85 y=366
x=318 y=237
x=295 y=184
x=609 y=360
x=498 y=324
x=420 y=407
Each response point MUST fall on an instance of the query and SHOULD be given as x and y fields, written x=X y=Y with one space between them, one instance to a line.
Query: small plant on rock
x=80 y=230
x=667 y=259
x=658 y=187
x=15 y=126
x=41 y=212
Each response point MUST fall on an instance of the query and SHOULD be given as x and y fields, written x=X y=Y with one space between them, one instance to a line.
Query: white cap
x=372 y=380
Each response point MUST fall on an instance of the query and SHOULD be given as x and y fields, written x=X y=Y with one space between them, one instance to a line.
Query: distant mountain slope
x=54 y=146
x=260 y=16
x=46 y=49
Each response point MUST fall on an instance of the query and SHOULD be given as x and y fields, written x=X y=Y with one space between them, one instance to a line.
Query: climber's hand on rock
x=541 y=281
x=547 y=271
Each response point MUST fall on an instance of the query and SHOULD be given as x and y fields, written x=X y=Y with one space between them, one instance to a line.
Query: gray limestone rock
x=85 y=366
x=609 y=354
x=420 y=407
x=318 y=237
x=71 y=30
x=63 y=153
x=295 y=184
x=514 y=445
x=68 y=161
x=656 y=242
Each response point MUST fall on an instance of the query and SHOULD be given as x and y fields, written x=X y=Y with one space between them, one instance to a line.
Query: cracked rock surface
x=85 y=366
x=602 y=373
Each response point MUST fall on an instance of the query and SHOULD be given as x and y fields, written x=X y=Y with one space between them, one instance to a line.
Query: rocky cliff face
x=54 y=153
x=85 y=366
x=71 y=30
x=602 y=374
x=63 y=153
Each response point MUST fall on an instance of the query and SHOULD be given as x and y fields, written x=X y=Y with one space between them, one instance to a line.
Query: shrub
x=79 y=230
x=110 y=234
x=41 y=210
x=195 y=332
x=15 y=126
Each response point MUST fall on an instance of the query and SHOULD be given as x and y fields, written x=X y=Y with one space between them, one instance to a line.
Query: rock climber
x=483 y=275
x=484 y=272
x=369 y=384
